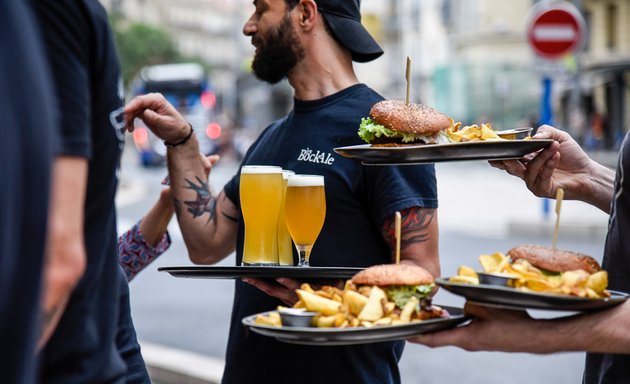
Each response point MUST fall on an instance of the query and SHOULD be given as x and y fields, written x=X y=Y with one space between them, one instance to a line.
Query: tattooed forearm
x=204 y=203
x=414 y=227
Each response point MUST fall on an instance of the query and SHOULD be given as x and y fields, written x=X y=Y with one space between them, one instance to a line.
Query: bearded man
x=312 y=43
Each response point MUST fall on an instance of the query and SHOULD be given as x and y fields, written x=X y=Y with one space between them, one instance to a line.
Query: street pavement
x=481 y=210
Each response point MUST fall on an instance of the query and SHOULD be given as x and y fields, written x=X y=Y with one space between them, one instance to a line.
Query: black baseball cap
x=344 y=18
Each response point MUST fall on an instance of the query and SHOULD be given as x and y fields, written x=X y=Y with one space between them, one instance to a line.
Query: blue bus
x=185 y=86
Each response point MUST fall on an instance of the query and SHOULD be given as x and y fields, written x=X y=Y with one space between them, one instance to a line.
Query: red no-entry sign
x=556 y=30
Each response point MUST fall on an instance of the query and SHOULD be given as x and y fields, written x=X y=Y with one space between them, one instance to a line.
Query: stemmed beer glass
x=305 y=210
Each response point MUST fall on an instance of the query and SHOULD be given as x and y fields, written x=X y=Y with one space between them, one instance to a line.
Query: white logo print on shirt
x=316 y=157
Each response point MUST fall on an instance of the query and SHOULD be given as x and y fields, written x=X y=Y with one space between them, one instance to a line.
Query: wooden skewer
x=408 y=77
x=559 y=197
x=397 y=235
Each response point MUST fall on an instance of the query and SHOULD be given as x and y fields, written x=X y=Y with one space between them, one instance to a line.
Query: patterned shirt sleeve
x=135 y=253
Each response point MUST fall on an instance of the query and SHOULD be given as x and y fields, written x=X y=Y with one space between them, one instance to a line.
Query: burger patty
x=554 y=260
x=410 y=118
x=385 y=141
x=393 y=274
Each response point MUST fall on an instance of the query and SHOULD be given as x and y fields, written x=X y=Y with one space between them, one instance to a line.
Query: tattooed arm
x=65 y=250
x=419 y=238
x=208 y=221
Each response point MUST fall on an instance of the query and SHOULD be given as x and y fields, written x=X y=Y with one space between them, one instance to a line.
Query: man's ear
x=308 y=14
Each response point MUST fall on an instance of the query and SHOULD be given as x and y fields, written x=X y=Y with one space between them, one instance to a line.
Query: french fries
x=318 y=303
x=351 y=307
x=471 y=133
x=272 y=319
x=529 y=278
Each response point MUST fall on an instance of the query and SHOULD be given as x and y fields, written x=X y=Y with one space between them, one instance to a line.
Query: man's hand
x=491 y=330
x=284 y=290
x=159 y=115
x=564 y=165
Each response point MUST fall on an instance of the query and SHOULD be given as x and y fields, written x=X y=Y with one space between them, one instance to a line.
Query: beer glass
x=285 y=244
x=305 y=210
x=261 y=196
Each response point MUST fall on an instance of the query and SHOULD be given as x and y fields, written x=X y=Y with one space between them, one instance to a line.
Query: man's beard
x=278 y=53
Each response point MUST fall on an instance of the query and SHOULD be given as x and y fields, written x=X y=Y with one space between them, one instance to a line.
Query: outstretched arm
x=148 y=239
x=514 y=331
x=208 y=221
x=563 y=165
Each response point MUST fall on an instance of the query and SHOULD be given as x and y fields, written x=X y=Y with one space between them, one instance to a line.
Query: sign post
x=554 y=31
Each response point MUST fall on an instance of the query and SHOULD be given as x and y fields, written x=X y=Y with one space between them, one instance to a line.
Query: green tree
x=140 y=45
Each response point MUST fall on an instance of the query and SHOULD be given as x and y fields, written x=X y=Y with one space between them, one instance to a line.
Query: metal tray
x=356 y=335
x=433 y=153
x=237 y=272
x=514 y=298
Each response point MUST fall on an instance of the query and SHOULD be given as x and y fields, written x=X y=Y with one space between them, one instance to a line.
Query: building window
x=611 y=26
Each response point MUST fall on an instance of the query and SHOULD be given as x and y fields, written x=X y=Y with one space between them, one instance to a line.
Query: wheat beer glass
x=304 y=212
x=261 y=197
x=285 y=244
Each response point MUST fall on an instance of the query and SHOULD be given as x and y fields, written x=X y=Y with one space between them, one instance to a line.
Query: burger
x=393 y=122
x=407 y=286
x=563 y=272
x=554 y=261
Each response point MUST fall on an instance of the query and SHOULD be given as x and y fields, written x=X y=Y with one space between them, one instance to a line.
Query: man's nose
x=250 y=27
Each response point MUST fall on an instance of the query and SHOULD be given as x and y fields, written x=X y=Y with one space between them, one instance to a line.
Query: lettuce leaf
x=400 y=294
x=369 y=130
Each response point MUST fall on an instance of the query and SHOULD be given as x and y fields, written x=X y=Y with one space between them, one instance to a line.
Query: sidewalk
x=477 y=199
x=174 y=366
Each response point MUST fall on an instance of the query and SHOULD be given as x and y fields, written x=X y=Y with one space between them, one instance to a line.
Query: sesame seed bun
x=393 y=274
x=411 y=118
x=554 y=260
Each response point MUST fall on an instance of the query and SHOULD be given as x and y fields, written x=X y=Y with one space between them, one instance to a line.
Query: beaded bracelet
x=182 y=141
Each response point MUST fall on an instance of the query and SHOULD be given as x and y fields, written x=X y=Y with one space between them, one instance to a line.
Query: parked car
x=187 y=87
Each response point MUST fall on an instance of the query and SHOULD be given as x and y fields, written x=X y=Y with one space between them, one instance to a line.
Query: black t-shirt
x=615 y=368
x=85 y=67
x=26 y=149
x=358 y=199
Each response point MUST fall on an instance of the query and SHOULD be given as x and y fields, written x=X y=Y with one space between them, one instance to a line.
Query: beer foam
x=260 y=169
x=305 y=181
x=286 y=173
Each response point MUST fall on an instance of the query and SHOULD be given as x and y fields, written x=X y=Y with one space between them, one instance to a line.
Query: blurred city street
x=482 y=210
x=476 y=61
x=305 y=100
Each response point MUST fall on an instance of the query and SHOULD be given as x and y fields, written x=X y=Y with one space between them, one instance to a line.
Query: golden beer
x=261 y=196
x=305 y=210
x=285 y=244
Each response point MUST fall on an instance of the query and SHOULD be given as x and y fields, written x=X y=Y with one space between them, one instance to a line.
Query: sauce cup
x=500 y=279
x=294 y=317
x=516 y=133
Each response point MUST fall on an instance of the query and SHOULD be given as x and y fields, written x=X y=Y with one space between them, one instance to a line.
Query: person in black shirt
x=313 y=44
x=605 y=334
x=29 y=128
x=88 y=335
